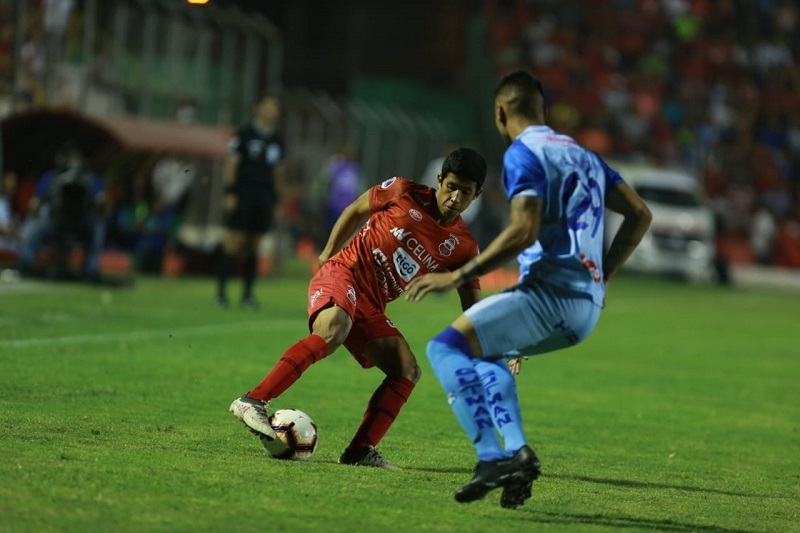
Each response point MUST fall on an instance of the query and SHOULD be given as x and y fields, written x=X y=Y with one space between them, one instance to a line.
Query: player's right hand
x=437 y=282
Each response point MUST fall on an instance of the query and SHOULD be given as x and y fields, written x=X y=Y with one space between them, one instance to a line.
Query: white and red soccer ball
x=297 y=435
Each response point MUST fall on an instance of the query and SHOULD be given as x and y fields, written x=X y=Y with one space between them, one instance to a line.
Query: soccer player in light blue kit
x=557 y=192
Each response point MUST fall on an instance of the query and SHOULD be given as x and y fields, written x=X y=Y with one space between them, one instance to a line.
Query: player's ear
x=439 y=180
x=500 y=114
x=478 y=192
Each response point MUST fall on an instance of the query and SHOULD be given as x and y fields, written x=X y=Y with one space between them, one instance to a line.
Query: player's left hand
x=419 y=287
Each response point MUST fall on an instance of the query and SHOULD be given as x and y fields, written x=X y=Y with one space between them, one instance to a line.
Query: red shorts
x=334 y=284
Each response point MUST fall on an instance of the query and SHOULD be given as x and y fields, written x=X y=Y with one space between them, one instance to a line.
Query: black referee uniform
x=259 y=152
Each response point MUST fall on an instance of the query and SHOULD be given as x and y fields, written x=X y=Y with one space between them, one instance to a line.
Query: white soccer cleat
x=253 y=414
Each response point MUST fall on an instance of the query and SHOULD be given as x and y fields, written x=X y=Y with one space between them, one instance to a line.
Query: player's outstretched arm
x=623 y=199
x=522 y=231
x=346 y=225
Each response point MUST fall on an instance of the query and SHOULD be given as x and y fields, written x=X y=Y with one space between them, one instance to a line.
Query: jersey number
x=583 y=204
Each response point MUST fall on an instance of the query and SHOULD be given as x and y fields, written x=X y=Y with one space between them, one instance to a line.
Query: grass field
x=681 y=413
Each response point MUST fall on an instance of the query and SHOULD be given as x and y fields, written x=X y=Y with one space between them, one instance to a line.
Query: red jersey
x=402 y=240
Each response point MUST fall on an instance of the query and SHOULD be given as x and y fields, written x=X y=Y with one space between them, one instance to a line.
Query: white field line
x=166 y=334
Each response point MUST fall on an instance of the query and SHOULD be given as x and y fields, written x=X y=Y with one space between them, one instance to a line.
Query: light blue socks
x=469 y=383
x=500 y=390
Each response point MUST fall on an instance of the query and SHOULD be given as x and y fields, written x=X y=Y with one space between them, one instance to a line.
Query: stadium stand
x=710 y=86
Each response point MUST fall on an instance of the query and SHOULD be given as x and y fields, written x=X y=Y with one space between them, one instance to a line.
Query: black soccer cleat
x=517 y=491
x=369 y=456
x=490 y=475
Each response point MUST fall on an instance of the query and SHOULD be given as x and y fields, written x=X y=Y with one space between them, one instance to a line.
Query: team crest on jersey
x=351 y=294
x=446 y=248
x=388 y=183
x=416 y=215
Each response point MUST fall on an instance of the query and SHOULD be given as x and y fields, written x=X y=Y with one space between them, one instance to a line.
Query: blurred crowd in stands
x=51 y=35
x=709 y=85
x=712 y=86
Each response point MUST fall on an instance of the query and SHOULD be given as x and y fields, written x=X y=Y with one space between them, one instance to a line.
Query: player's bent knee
x=333 y=337
x=413 y=374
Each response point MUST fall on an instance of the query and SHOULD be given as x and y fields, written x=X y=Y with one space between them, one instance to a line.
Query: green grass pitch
x=680 y=413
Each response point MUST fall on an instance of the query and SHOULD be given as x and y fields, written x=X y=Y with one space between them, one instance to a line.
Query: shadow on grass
x=604 y=481
x=649 y=485
x=621 y=521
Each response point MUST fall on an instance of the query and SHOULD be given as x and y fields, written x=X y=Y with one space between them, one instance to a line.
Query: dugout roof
x=31 y=139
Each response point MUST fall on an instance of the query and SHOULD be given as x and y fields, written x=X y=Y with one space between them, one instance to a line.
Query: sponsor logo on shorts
x=388 y=183
x=568 y=332
x=416 y=215
x=315 y=296
x=390 y=324
x=383 y=273
x=351 y=294
x=404 y=264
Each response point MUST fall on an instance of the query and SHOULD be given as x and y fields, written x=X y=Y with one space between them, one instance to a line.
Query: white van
x=681 y=237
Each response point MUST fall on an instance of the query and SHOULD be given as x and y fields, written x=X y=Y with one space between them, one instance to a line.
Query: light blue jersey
x=572 y=181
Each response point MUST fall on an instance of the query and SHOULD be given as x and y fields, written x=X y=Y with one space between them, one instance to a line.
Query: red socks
x=383 y=408
x=294 y=362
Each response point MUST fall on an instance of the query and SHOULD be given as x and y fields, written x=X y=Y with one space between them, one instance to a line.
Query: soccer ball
x=297 y=435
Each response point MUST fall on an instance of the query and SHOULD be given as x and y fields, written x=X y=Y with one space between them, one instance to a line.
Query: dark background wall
x=330 y=43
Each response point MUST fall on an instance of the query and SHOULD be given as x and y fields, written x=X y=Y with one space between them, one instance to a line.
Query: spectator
x=762 y=235
x=143 y=226
x=344 y=184
x=67 y=206
x=9 y=231
x=682 y=82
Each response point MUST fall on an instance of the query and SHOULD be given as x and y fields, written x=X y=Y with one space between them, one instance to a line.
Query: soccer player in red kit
x=411 y=230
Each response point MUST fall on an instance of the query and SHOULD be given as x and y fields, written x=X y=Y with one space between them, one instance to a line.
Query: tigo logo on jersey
x=405 y=264
x=388 y=183
x=416 y=215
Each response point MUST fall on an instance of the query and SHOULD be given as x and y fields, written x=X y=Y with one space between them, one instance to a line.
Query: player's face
x=268 y=110
x=454 y=195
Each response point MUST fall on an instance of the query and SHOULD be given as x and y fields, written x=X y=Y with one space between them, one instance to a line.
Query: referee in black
x=252 y=176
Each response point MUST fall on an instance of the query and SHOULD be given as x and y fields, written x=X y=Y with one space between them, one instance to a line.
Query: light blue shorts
x=531 y=319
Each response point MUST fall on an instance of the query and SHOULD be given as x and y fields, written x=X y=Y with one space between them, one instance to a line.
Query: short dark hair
x=465 y=163
x=523 y=92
